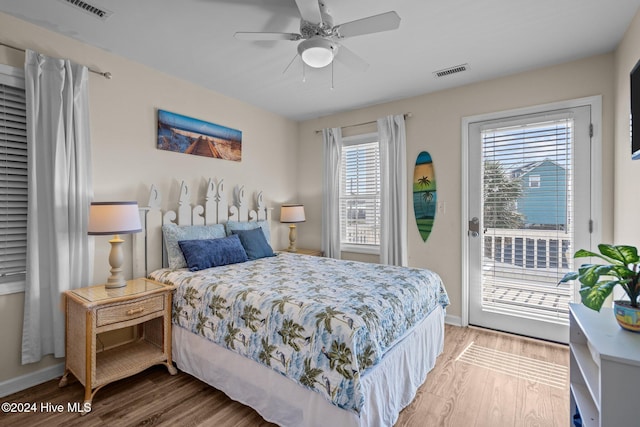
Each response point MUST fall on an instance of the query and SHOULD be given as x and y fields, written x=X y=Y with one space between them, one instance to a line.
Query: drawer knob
x=135 y=311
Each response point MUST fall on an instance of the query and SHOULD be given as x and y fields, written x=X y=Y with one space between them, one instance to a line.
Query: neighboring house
x=543 y=203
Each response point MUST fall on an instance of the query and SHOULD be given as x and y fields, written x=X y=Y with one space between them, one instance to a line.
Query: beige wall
x=436 y=127
x=126 y=162
x=627 y=172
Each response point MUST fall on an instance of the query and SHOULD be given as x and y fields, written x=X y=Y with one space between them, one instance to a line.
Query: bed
x=305 y=341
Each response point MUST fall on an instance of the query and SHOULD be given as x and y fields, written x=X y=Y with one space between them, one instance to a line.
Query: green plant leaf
x=623 y=254
x=623 y=272
x=587 y=274
x=583 y=253
x=618 y=271
x=584 y=268
x=594 y=296
x=572 y=275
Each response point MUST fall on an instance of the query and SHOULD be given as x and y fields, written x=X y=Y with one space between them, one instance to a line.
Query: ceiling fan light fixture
x=317 y=52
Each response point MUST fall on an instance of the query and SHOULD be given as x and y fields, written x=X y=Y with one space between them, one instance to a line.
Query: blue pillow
x=206 y=253
x=254 y=243
x=232 y=226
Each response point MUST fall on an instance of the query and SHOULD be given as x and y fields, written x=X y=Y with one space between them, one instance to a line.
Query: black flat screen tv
x=635 y=112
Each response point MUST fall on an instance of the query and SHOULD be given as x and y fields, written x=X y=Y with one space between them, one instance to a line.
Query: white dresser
x=604 y=369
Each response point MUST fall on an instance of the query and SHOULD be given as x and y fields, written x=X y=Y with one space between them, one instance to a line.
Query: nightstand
x=143 y=304
x=313 y=252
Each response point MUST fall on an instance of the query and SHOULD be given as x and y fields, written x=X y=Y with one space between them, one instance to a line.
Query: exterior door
x=529 y=199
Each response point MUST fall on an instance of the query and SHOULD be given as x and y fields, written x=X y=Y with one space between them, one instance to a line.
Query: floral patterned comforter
x=319 y=321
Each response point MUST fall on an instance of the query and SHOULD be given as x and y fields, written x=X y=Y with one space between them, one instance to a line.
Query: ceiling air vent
x=451 y=70
x=95 y=11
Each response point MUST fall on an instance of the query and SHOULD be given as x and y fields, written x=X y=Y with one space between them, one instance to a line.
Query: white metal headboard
x=148 y=249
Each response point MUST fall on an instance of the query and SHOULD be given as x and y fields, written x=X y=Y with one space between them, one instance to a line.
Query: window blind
x=527 y=217
x=360 y=194
x=13 y=184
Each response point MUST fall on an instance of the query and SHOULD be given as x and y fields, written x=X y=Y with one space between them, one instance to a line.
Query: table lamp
x=106 y=218
x=292 y=214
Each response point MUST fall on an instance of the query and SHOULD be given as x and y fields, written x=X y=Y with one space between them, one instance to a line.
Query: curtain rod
x=406 y=116
x=107 y=75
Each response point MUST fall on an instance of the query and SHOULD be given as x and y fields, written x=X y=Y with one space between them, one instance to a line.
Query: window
x=360 y=194
x=13 y=180
x=534 y=181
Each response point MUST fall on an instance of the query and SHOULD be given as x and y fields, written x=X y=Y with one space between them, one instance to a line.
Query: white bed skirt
x=388 y=387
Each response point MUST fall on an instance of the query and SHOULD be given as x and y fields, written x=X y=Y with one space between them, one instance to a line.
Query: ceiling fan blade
x=373 y=24
x=347 y=57
x=309 y=10
x=266 y=36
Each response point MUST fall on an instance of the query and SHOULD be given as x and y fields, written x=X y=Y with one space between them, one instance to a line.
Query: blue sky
x=199 y=126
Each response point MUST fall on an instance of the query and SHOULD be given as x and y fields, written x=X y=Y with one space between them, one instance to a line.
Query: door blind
x=360 y=194
x=527 y=218
x=13 y=184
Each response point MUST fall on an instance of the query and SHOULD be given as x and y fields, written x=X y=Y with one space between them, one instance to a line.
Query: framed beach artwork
x=187 y=135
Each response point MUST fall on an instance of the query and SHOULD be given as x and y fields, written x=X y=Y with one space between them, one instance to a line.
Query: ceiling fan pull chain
x=304 y=74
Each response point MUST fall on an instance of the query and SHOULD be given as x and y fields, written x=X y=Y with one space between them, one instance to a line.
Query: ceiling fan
x=319 y=45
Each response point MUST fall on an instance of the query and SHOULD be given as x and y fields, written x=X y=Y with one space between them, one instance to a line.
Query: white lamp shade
x=114 y=218
x=292 y=213
x=317 y=52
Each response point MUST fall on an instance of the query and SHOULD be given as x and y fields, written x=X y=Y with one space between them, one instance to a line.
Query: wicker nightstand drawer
x=124 y=312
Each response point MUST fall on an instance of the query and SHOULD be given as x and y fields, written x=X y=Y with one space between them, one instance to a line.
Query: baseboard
x=453 y=320
x=23 y=382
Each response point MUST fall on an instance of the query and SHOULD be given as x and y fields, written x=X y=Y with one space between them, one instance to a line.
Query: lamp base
x=116 y=257
x=115 y=284
x=293 y=234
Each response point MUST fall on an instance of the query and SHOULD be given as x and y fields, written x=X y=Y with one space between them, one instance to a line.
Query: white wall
x=126 y=161
x=436 y=127
x=627 y=172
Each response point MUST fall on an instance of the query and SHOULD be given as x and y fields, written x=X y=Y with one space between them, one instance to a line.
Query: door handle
x=474 y=227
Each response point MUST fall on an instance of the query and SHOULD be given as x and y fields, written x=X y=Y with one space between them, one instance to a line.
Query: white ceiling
x=193 y=40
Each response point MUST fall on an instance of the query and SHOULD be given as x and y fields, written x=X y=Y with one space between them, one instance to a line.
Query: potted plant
x=598 y=280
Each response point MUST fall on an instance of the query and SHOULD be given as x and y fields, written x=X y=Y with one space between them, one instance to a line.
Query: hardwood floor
x=456 y=394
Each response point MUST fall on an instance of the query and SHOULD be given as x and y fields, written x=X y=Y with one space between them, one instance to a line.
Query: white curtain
x=59 y=256
x=393 y=190
x=332 y=142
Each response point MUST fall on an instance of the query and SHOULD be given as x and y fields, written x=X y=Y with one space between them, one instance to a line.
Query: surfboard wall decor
x=425 y=197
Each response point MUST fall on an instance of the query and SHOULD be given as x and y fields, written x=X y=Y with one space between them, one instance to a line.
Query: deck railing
x=521 y=270
x=540 y=251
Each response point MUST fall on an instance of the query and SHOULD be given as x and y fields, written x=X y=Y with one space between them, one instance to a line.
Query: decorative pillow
x=207 y=253
x=250 y=225
x=254 y=243
x=173 y=233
